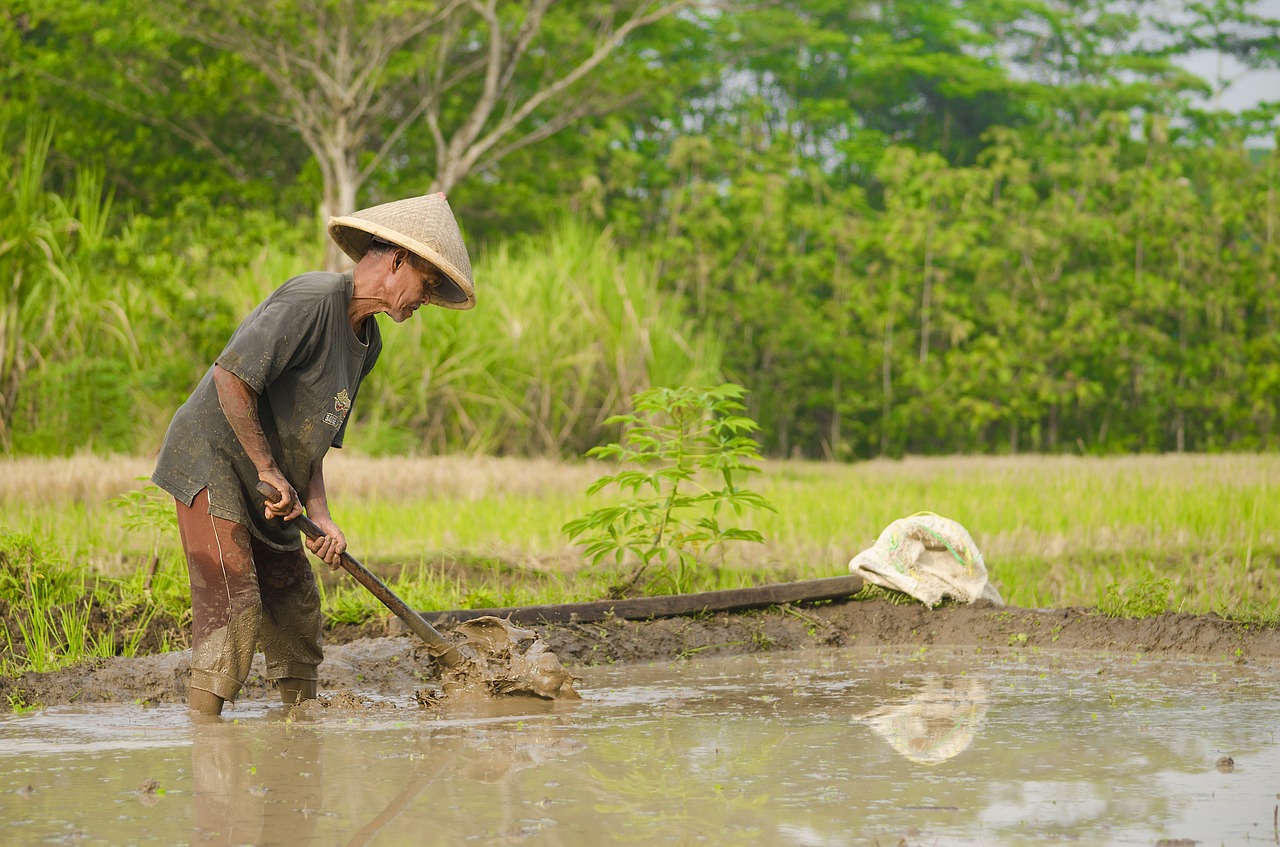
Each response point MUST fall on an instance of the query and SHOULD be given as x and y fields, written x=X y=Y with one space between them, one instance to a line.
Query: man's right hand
x=287 y=505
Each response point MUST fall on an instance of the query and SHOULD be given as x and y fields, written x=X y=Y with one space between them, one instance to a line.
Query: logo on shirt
x=341 y=405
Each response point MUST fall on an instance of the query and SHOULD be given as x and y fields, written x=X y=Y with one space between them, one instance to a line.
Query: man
x=268 y=410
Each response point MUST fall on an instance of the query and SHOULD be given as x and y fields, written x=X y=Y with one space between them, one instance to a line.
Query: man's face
x=409 y=288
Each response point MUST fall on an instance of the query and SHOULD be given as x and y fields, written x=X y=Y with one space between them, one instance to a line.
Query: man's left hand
x=331 y=546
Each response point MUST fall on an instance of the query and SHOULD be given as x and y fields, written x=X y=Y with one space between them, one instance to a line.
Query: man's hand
x=331 y=546
x=288 y=505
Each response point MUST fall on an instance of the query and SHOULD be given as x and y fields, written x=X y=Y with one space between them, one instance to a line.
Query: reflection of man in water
x=937 y=723
x=250 y=789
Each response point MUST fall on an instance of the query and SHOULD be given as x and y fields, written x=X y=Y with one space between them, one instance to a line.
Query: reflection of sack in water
x=928 y=557
x=937 y=723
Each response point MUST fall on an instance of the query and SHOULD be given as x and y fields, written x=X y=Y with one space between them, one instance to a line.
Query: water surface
x=817 y=748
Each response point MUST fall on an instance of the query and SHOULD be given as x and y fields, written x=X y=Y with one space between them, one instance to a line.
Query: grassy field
x=450 y=532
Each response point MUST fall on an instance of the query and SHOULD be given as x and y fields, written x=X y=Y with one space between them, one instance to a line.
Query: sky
x=1247 y=88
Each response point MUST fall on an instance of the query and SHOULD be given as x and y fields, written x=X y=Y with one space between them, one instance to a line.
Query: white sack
x=929 y=557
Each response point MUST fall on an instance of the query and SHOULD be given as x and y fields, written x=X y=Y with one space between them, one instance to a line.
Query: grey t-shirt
x=298 y=352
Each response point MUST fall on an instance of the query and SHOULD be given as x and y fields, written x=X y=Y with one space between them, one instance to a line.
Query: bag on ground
x=928 y=557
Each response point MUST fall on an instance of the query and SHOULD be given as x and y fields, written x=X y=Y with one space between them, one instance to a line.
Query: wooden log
x=643 y=608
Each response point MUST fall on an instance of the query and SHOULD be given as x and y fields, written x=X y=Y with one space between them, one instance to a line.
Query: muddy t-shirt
x=298 y=352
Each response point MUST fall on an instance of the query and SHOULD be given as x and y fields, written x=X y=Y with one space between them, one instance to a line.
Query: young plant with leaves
x=148 y=509
x=683 y=451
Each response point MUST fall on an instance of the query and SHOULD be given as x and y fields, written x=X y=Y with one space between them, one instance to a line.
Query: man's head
x=420 y=233
x=407 y=280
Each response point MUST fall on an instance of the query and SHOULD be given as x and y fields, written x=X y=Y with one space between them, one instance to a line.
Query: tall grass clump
x=54 y=614
x=48 y=315
x=1145 y=597
x=566 y=330
x=109 y=319
x=45 y=625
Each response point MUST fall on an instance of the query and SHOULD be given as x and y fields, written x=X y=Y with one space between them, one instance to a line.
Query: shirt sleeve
x=264 y=345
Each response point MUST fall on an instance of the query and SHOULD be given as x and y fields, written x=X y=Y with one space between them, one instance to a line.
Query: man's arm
x=239 y=403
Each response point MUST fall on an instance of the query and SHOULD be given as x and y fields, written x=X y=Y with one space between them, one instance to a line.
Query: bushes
x=565 y=330
x=1107 y=297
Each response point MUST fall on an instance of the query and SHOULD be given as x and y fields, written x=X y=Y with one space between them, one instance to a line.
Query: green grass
x=57 y=614
x=453 y=532
x=1146 y=597
x=1058 y=531
x=46 y=621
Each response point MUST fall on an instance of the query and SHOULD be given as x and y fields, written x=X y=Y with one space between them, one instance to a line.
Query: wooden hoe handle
x=439 y=646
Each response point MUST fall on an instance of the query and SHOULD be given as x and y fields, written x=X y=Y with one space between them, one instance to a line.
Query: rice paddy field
x=1054 y=531
x=980 y=726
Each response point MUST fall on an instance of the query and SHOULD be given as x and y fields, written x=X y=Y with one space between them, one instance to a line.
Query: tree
x=162 y=113
x=486 y=78
x=1230 y=29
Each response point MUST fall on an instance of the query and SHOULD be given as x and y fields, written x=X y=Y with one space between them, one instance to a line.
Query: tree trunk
x=341 y=186
x=926 y=293
x=1180 y=437
x=886 y=374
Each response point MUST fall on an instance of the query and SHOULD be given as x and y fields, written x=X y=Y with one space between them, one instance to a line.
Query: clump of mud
x=502 y=661
x=338 y=701
x=508 y=660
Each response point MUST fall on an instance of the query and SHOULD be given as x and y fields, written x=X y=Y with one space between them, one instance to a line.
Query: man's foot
x=294 y=691
x=204 y=702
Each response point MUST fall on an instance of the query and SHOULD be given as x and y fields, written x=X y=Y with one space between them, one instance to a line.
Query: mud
x=507 y=660
x=369 y=663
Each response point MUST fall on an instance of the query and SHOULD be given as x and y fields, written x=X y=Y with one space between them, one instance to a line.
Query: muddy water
x=832 y=748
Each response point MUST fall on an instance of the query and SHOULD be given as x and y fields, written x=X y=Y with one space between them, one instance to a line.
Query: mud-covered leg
x=294 y=691
x=204 y=702
x=291 y=621
x=225 y=604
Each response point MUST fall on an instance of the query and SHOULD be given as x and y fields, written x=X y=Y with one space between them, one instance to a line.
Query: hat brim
x=354 y=236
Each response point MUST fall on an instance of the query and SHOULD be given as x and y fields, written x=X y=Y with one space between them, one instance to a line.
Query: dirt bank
x=367 y=660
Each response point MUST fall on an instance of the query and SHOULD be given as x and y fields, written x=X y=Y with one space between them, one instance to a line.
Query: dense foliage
x=908 y=227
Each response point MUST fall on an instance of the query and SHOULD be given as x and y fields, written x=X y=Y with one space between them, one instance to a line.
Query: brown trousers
x=244 y=593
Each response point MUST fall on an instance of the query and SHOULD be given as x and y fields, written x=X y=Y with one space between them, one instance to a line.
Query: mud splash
x=509 y=660
x=503 y=661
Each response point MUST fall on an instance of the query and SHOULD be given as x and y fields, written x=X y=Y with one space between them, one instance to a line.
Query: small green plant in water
x=683 y=451
x=1145 y=597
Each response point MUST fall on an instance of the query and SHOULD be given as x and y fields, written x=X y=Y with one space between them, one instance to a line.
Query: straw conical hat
x=424 y=225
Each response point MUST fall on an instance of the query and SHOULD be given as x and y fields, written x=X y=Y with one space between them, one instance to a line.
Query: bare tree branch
x=465 y=153
x=528 y=29
x=353 y=78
